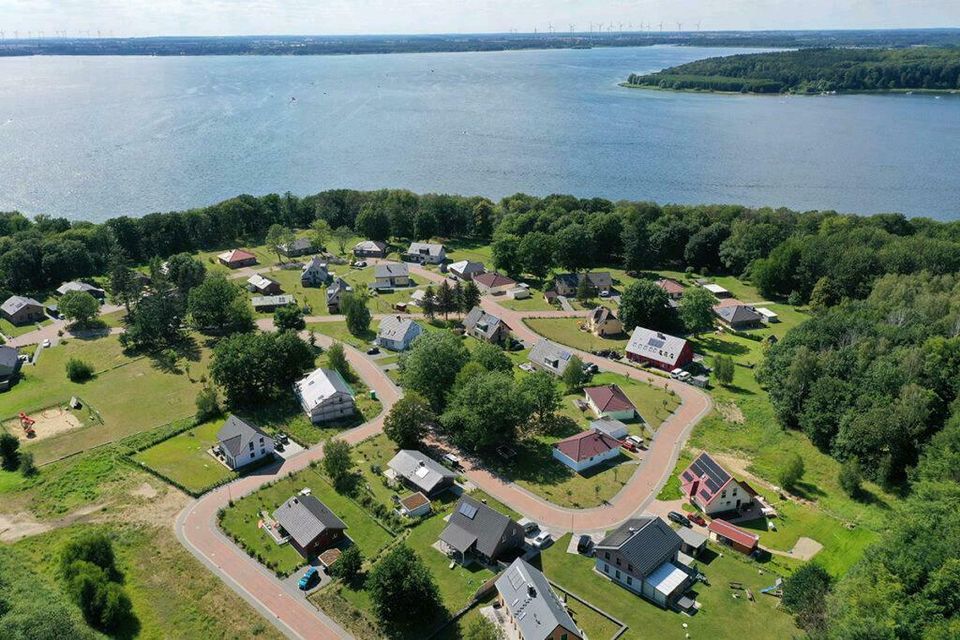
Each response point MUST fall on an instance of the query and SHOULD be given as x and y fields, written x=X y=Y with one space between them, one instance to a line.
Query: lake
x=90 y=138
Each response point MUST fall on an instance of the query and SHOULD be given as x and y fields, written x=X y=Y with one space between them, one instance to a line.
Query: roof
x=611 y=427
x=321 y=385
x=601 y=315
x=314 y=264
x=13 y=304
x=535 y=608
x=715 y=289
x=690 y=537
x=236 y=255
x=397 y=328
x=493 y=280
x=370 y=245
x=466 y=267
x=304 y=518
x=482 y=321
x=733 y=533
x=391 y=270
x=76 y=285
x=273 y=301
x=473 y=521
x=645 y=542
x=421 y=470
x=672 y=287
x=339 y=285
x=667 y=578
x=586 y=445
x=328 y=557
x=414 y=501
x=598 y=279
x=704 y=479
x=656 y=346
x=609 y=397
x=235 y=434
x=545 y=353
x=737 y=313
x=425 y=248
x=9 y=356
x=766 y=313
x=298 y=244
x=260 y=281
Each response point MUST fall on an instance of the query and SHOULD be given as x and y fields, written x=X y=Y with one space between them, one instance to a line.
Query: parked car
x=529 y=526
x=604 y=294
x=676 y=373
x=278 y=446
x=584 y=544
x=679 y=518
x=360 y=264
x=629 y=445
x=697 y=518
x=46 y=343
x=372 y=351
x=636 y=441
x=283 y=438
x=311 y=576
x=543 y=540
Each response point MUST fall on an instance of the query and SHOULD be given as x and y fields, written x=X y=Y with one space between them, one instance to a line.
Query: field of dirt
x=49 y=422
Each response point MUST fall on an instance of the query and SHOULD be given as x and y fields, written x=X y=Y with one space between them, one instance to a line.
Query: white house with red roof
x=673 y=289
x=609 y=401
x=237 y=258
x=709 y=486
x=586 y=450
x=493 y=283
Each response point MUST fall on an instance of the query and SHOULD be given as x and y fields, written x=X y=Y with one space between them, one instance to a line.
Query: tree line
x=815 y=71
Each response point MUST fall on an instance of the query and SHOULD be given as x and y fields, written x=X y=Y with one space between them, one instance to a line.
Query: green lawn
x=184 y=458
x=654 y=403
x=567 y=331
x=721 y=615
x=12 y=331
x=240 y=520
x=338 y=331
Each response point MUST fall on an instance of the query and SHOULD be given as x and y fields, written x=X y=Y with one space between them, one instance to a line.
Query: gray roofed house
x=10 y=364
x=309 y=523
x=271 y=303
x=566 y=283
x=75 y=285
x=484 y=326
x=325 y=396
x=474 y=529
x=610 y=426
x=738 y=316
x=532 y=606
x=550 y=356
x=426 y=252
x=22 y=310
x=466 y=269
x=370 y=249
x=314 y=273
x=243 y=443
x=335 y=292
x=397 y=333
x=389 y=275
x=299 y=247
x=422 y=472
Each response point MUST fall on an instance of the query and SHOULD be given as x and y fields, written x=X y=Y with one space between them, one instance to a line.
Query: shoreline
x=652 y=87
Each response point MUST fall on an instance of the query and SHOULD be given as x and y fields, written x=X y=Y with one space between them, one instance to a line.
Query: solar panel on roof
x=516 y=579
x=468 y=510
x=421 y=472
x=656 y=343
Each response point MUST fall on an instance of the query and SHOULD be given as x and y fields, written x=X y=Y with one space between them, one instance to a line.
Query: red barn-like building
x=658 y=349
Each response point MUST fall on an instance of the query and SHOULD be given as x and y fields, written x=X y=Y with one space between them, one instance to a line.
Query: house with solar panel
x=477 y=532
x=642 y=556
x=658 y=349
x=529 y=608
x=711 y=487
x=421 y=472
x=551 y=357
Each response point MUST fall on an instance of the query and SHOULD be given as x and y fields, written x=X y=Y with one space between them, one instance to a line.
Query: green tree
x=636 y=245
x=470 y=297
x=483 y=629
x=790 y=471
x=342 y=235
x=155 y=323
x=278 y=238
x=218 y=306
x=9 y=451
x=491 y=357
x=353 y=305
x=486 y=412
x=320 y=232
x=79 y=370
x=402 y=591
x=805 y=595
x=573 y=376
x=337 y=360
x=208 y=403
x=585 y=290
x=185 y=272
x=643 y=304
x=483 y=215
x=535 y=254
x=289 y=318
x=696 y=310
x=79 y=306
x=541 y=390
x=851 y=478
x=573 y=248
x=429 y=302
x=823 y=296
x=723 y=369
x=457 y=291
x=336 y=460
x=506 y=254
x=431 y=365
x=28 y=468
x=349 y=566
x=125 y=285
x=425 y=225
x=93 y=547
x=373 y=223
x=408 y=421
x=253 y=368
x=446 y=301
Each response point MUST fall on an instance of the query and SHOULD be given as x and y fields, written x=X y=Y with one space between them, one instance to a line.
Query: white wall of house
x=336 y=407
x=259 y=452
x=730 y=498
x=586 y=463
x=616 y=415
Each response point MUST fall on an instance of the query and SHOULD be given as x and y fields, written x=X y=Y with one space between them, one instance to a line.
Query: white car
x=46 y=343
x=542 y=540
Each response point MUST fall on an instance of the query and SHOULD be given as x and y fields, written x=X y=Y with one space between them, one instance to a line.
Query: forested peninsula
x=814 y=71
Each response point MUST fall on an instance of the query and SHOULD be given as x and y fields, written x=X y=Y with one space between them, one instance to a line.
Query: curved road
x=197 y=529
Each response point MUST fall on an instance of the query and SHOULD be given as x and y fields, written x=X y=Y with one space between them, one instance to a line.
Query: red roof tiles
x=609 y=397
x=586 y=445
x=734 y=534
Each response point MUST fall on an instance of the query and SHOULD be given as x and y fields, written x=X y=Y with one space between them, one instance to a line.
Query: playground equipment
x=776 y=589
x=27 y=423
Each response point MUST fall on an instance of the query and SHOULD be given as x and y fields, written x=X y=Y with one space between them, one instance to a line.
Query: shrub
x=27 y=466
x=851 y=478
x=78 y=370
x=208 y=403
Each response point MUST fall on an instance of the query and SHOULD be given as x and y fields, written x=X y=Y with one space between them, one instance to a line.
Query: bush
x=851 y=478
x=27 y=466
x=208 y=404
x=78 y=370
x=349 y=565
x=791 y=472
x=9 y=451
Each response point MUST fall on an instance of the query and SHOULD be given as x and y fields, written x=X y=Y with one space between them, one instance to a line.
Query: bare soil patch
x=16 y=526
x=731 y=412
x=49 y=422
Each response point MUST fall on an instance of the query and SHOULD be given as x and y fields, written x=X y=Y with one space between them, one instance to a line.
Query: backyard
x=184 y=458
x=567 y=331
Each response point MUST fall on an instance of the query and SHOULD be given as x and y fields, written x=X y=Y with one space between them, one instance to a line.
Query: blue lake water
x=95 y=137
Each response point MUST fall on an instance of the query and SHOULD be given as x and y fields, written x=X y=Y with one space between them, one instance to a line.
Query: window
x=618 y=562
x=251 y=446
x=629 y=580
x=606 y=568
x=606 y=555
x=723 y=494
x=618 y=574
x=630 y=568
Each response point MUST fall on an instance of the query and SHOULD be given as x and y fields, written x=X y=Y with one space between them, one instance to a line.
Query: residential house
x=518 y=293
x=566 y=284
x=263 y=285
x=75 y=285
x=397 y=333
x=10 y=364
x=717 y=290
x=484 y=326
x=711 y=487
x=237 y=258
x=658 y=349
x=421 y=472
x=586 y=450
x=493 y=283
x=602 y=322
x=22 y=310
x=533 y=611
x=310 y=525
x=609 y=401
x=269 y=304
x=692 y=542
x=390 y=275
x=299 y=247
x=415 y=505
x=425 y=253
x=314 y=273
x=370 y=249
x=738 y=317
x=475 y=531
x=613 y=428
x=549 y=356
x=335 y=292
x=325 y=396
x=673 y=289
x=722 y=532
x=641 y=555
x=466 y=269
x=243 y=443
x=769 y=316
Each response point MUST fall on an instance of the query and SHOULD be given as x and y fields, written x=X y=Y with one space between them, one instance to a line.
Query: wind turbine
x=661 y=27
x=572 y=29
x=679 y=27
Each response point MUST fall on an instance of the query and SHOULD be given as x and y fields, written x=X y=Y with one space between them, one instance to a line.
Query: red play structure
x=27 y=423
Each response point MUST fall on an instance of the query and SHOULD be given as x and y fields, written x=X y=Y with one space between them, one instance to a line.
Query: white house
x=609 y=401
x=709 y=486
x=389 y=275
x=243 y=443
x=314 y=273
x=325 y=396
x=586 y=450
x=426 y=253
x=466 y=269
x=396 y=333
x=493 y=283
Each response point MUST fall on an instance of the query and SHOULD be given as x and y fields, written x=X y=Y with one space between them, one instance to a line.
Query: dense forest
x=815 y=71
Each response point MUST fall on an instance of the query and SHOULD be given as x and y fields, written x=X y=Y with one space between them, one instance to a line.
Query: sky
x=254 y=17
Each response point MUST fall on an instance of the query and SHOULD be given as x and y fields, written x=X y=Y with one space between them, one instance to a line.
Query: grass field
x=654 y=403
x=567 y=331
x=12 y=331
x=338 y=331
x=184 y=458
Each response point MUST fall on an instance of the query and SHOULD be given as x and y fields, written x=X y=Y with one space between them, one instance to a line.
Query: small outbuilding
x=269 y=304
x=263 y=285
x=722 y=532
x=692 y=542
x=610 y=426
x=415 y=505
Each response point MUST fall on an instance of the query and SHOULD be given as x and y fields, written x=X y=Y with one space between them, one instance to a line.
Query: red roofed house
x=586 y=450
x=609 y=401
x=725 y=533
x=658 y=349
x=493 y=283
x=710 y=487
x=237 y=258
x=673 y=288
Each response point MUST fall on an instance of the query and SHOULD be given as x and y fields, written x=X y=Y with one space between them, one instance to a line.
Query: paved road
x=50 y=332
